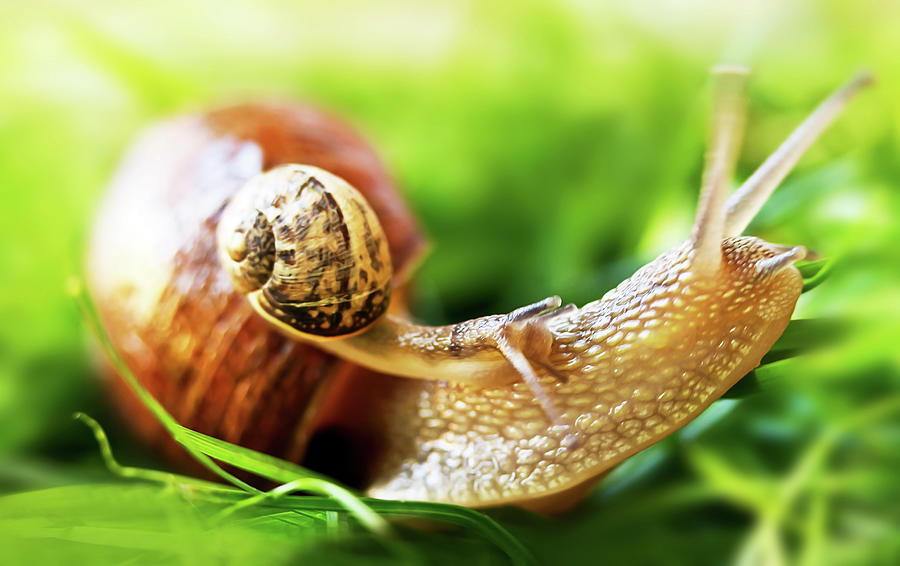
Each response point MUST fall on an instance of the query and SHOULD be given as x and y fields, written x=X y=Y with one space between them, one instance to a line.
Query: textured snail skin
x=639 y=363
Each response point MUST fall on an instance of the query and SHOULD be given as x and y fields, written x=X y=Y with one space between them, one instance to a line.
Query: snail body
x=534 y=406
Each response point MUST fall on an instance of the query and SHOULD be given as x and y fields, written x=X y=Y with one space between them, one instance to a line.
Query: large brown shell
x=169 y=308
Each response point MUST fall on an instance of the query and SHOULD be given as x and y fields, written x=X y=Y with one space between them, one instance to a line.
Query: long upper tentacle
x=750 y=197
x=724 y=139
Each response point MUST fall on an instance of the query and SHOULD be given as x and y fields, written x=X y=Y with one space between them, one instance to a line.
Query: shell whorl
x=308 y=251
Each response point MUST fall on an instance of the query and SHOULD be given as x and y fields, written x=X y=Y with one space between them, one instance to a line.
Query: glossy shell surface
x=171 y=311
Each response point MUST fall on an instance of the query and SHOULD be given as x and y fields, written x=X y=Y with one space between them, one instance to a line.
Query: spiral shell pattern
x=308 y=250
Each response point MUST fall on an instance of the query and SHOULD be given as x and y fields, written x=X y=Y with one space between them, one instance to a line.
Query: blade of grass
x=263 y=465
x=142 y=473
x=803 y=335
x=362 y=512
x=351 y=503
x=464 y=517
x=815 y=272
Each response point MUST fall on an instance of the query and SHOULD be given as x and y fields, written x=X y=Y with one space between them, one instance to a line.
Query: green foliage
x=550 y=149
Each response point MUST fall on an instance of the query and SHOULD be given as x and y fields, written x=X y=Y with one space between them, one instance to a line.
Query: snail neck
x=458 y=353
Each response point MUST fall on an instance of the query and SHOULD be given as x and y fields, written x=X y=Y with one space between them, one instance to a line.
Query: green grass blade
x=258 y=463
x=803 y=335
x=464 y=517
x=353 y=504
x=142 y=473
x=800 y=336
x=815 y=272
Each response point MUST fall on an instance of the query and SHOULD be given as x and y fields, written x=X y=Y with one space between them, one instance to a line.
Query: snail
x=529 y=408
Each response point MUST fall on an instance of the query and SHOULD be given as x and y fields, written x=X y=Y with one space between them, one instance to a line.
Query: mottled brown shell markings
x=326 y=256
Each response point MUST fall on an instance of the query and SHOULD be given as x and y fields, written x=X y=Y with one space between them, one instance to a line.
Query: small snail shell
x=308 y=250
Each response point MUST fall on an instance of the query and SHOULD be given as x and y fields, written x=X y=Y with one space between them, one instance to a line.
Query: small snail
x=528 y=408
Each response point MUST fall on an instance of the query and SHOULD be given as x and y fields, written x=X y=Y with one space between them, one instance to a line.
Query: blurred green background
x=548 y=148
